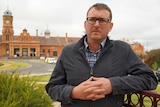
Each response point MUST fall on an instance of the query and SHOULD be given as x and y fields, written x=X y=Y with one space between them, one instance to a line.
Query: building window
x=54 y=53
x=16 y=52
x=24 y=52
x=7 y=37
x=32 y=52
x=42 y=51
x=48 y=50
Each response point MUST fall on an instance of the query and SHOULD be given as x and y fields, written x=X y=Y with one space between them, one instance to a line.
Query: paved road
x=37 y=66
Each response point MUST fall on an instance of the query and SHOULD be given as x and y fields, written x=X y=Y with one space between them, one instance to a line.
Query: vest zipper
x=91 y=72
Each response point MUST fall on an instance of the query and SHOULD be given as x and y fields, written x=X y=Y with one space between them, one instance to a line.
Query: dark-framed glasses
x=102 y=21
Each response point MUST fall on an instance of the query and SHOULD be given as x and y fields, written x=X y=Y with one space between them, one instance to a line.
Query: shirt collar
x=87 y=46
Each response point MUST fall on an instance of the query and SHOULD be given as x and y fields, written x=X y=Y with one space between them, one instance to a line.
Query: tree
x=152 y=57
x=155 y=66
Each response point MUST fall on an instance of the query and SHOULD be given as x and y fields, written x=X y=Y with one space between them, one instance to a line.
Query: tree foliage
x=152 y=58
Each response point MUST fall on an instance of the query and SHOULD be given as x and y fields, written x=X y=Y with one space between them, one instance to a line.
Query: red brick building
x=28 y=46
x=138 y=48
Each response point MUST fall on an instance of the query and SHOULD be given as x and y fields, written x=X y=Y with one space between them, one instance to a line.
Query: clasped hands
x=92 y=89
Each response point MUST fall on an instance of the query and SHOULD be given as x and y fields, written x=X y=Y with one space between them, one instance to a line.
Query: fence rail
x=144 y=99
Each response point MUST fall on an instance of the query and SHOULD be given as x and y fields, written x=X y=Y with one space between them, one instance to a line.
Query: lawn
x=9 y=65
x=41 y=78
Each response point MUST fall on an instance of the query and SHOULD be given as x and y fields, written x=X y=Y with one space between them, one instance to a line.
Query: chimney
x=66 y=39
x=37 y=34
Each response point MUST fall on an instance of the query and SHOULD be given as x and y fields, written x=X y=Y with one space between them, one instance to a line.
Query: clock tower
x=7 y=31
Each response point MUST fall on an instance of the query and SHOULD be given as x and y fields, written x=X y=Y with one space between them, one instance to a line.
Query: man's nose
x=97 y=23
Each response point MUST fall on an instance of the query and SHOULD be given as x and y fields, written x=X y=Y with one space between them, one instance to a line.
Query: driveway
x=37 y=66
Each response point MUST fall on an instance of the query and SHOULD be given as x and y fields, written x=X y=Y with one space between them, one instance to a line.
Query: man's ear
x=111 y=26
x=84 y=24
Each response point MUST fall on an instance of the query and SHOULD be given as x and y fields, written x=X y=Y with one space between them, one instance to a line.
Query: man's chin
x=96 y=37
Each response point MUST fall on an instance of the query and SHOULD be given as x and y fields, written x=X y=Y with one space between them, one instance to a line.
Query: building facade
x=27 y=46
x=138 y=48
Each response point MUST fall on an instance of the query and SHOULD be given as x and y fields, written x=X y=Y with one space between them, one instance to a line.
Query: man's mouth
x=95 y=31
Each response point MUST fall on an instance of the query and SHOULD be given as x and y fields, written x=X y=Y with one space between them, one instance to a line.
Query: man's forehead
x=101 y=12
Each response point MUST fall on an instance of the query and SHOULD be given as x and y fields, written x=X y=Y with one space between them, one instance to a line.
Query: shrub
x=17 y=91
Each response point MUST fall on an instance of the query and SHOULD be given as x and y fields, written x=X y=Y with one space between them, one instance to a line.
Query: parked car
x=158 y=74
x=51 y=60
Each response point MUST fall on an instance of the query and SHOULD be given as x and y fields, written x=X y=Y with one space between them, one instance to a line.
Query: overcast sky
x=136 y=20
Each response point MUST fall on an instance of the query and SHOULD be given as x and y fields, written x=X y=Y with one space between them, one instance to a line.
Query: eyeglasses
x=102 y=21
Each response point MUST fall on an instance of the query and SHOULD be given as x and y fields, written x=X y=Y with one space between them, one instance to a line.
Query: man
x=96 y=71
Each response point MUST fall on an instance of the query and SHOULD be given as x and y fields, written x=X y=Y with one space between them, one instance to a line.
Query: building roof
x=7 y=13
x=57 y=41
x=52 y=41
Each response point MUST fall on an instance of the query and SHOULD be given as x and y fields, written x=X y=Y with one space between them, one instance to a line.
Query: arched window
x=7 y=37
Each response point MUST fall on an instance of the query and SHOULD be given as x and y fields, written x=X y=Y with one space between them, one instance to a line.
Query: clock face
x=7 y=21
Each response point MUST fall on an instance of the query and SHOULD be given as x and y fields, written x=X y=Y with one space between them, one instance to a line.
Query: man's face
x=97 y=31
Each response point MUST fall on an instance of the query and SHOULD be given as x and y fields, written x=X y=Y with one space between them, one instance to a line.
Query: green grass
x=9 y=65
x=157 y=89
x=41 y=78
